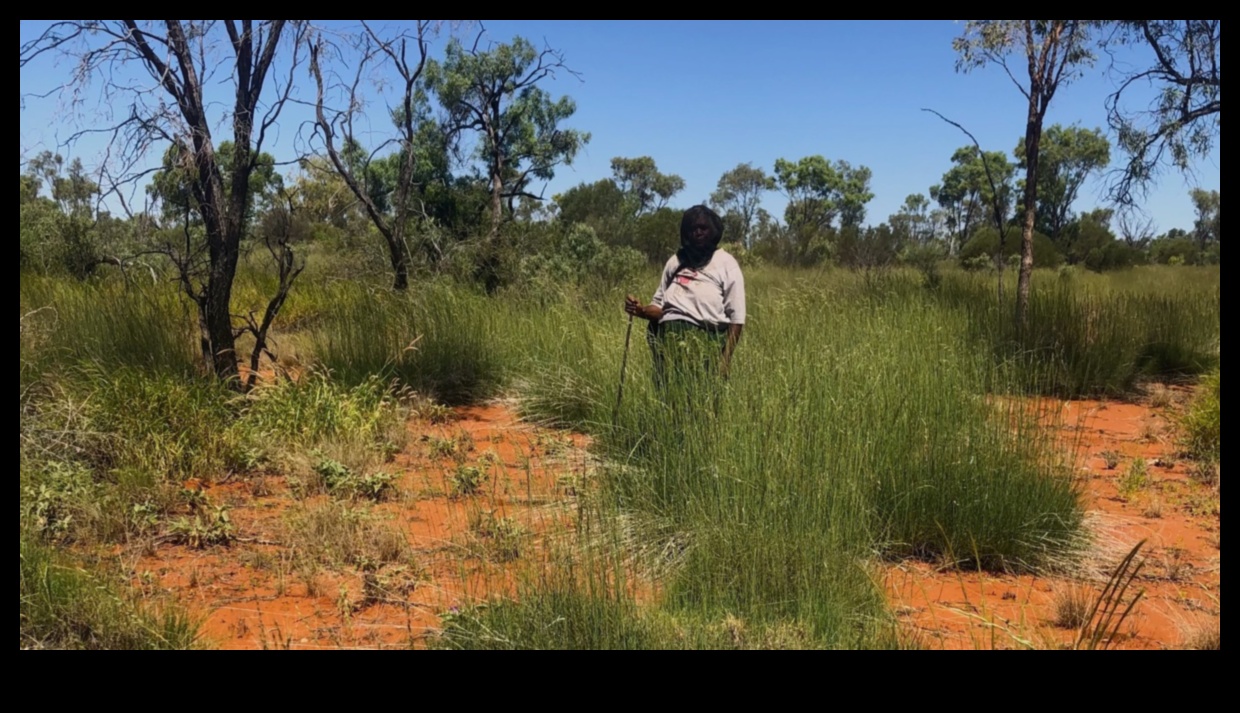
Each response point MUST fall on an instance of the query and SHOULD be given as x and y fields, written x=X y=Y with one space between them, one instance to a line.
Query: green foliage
x=1201 y=423
x=342 y=481
x=591 y=202
x=317 y=409
x=176 y=433
x=62 y=606
x=1096 y=336
x=495 y=94
x=207 y=527
x=1181 y=120
x=578 y=257
x=551 y=618
x=818 y=192
x=985 y=244
x=858 y=420
x=467 y=480
x=1207 y=228
x=1090 y=243
x=174 y=184
x=1066 y=157
x=63 y=233
x=738 y=194
x=441 y=341
x=1168 y=250
x=107 y=324
x=641 y=182
x=1135 y=479
x=966 y=193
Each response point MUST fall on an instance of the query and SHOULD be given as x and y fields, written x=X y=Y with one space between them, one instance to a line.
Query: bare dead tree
x=278 y=236
x=164 y=102
x=1136 y=228
x=406 y=54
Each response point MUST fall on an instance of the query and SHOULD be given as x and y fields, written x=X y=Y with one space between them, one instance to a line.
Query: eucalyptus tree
x=156 y=82
x=1052 y=53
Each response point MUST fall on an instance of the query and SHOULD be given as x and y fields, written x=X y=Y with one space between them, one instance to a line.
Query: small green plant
x=502 y=536
x=376 y=486
x=1134 y=480
x=1202 y=422
x=442 y=447
x=49 y=505
x=1110 y=459
x=466 y=480
x=204 y=529
x=144 y=516
x=334 y=473
x=387 y=450
x=341 y=480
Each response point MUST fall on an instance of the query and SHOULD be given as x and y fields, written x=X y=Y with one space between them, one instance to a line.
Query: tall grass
x=866 y=416
x=855 y=424
x=1095 y=334
x=61 y=606
x=442 y=341
x=107 y=323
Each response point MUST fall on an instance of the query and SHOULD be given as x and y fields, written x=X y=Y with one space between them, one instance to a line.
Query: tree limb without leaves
x=997 y=202
x=157 y=71
x=406 y=54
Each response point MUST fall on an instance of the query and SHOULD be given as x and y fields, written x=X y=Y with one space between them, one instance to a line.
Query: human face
x=700 y=233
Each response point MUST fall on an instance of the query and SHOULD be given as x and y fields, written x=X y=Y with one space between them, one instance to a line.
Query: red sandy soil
x=249 y=595
x=1178 y=516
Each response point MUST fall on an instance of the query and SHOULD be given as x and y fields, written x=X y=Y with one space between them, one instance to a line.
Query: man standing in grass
x=698 y=311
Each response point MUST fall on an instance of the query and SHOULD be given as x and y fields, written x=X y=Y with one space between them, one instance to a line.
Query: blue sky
x=701 y=97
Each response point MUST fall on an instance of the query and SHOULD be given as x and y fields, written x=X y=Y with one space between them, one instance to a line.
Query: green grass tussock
x=1201 y=423
x=868 y=415
x=62 y=606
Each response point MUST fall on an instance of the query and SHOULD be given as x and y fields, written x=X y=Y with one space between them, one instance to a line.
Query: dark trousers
x=687 y=360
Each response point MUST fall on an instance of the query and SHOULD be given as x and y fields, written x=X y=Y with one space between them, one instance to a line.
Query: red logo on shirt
x=685 y=277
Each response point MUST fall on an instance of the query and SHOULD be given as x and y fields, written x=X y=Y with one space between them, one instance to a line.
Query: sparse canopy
x=1182 y=121
x=640 y=179
x=154 y=75
x=739 y=194
x=1068 y=156
x=495 y=95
